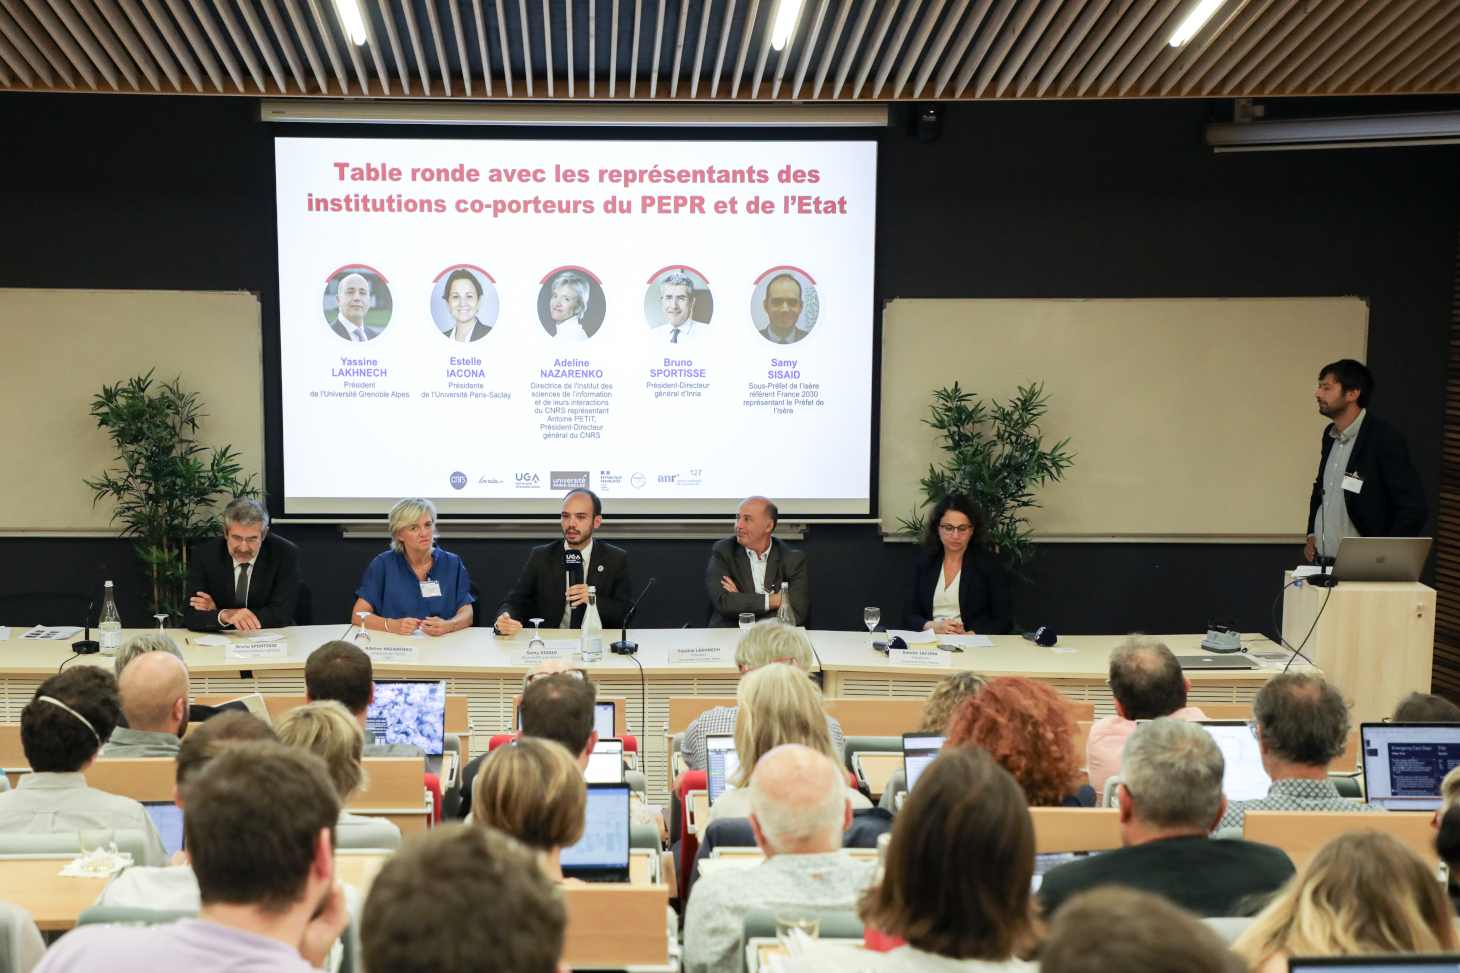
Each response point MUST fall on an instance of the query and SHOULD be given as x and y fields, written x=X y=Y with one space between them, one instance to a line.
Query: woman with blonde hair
x=534 y=791
x=1364 y=892
x=776 y=704
x=946 y=697
x=327 y=730
x=415 y=585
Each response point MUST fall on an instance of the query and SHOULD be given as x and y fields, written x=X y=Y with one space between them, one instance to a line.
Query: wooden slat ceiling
x=682 y=50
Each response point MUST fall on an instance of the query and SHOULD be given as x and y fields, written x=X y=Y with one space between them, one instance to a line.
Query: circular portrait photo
x=784 y=305
x=464 y=303
x=357 y=303
x=570 y=304
x=678 y=305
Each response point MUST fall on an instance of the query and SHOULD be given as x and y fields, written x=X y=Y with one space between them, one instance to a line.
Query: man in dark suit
x=783 y=306
x=353 y=298
x=248 y=579
x=743 y=567
x=557 y=592
x=1366 y=485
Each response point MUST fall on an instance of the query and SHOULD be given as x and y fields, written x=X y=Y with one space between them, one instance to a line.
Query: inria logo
x=458 y=480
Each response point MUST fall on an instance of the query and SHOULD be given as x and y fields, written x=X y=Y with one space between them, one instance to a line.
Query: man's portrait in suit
x=678 y=306
x=357 y=304
x=785 y=306
x=464 y=303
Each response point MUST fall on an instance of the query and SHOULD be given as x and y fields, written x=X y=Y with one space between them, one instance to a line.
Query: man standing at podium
x=1366 y=485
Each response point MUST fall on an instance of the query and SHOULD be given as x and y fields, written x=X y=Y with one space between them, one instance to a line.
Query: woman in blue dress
x=415 y=584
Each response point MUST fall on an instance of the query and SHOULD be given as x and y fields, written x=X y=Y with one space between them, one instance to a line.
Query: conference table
x=488 y=670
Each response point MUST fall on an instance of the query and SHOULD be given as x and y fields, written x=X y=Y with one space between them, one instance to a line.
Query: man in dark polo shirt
x=1170 y=800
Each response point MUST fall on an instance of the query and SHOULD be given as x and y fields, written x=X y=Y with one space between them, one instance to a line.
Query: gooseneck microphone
x=624 y=646
x=88 y=645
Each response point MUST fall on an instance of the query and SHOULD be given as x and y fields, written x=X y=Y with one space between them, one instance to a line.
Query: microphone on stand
x=625 y=647
x=88 y=645
x=573 y=574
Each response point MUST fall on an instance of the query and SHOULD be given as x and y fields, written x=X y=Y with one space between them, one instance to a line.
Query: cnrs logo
x=458 y=480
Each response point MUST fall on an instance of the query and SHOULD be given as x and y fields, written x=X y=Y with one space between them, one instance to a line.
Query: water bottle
x=786 y=615
x=591 y=641
x=110 y=628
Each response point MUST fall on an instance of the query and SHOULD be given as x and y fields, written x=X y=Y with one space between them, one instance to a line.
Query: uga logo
x=527 y=478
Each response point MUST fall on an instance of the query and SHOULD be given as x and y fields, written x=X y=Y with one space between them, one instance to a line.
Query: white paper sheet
x=213 y=640
x=928 y=637
x=968 y=641
x=4 y=633
x=264 y=637
x=57 y=633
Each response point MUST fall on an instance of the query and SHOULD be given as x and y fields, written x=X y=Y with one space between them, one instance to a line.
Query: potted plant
x=167 y=483
x=997 y=457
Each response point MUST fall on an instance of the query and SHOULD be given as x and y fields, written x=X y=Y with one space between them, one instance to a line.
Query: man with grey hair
x=677 y=303
x=799 y=809
x=765 y=643
x=1170 y=800
x=155 y=690
x=1147 y=682
x=246 y=580
x=352 y=296
x=746 y=571
x=1302 y=726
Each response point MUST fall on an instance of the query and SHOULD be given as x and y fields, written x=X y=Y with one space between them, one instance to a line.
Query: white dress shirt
x=757 y=572
x=463 y=332
x=356 y=332
x=665 y=334
x=571 y=330
x=945 y=597
x=587 y=552
x=237 y=567
x=1333 y=523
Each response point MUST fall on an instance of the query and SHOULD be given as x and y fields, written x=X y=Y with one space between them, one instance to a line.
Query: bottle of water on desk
x=110 y=628
x=786 y=615
x=591 y=640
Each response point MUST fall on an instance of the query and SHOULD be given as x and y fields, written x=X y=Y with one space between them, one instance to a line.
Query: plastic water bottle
x=591 y=641
x=110 y=629
x=786 y=615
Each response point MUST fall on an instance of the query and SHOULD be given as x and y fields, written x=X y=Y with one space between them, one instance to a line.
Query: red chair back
x=689 y=844
x=501 y=740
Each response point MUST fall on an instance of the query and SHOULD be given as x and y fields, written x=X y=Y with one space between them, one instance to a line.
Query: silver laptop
x=1381 y=558
x=1237 y=660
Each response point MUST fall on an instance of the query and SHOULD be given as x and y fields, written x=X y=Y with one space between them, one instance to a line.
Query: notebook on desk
x=1404 y=763
x=602 y=854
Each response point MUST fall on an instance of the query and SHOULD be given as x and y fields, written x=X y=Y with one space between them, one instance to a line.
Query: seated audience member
x=1153 y=935
x=260 y=828
x=1302 y=727
x=328 y=731
x=777 y=704
x=799 y=809
x=766 y=642
x=155 y=692
x=176 y=887
x=393 y=593
x=1447 y=846
x=535 y=792
x=455 y=899
x=341 y=671
x=1170 y=800
x=946 y=697
x=1147 y=682
x=139 y=645
x=247 y=579
x=956 y=884
x=958 y=585
x=62 y=730
x=745 y=571
x=1364 y=892
x=1027 y=727
x=1426 y=708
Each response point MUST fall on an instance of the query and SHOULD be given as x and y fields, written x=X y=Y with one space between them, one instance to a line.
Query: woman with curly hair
x=1029 y=731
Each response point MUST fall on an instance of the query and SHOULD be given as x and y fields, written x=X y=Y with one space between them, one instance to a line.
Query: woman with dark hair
x=957 y=586
x=956 y=887
x=1027 y=728
x=463 y=297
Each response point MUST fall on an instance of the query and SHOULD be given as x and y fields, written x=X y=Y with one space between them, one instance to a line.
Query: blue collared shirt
x=393 y=591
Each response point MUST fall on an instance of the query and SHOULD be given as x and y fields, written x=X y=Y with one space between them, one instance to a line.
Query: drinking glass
x=871 y=616
x=161 y=619
x=93 y=839
x=536 y=633
x=747 y=619
x=362 y=634
x=791 y=921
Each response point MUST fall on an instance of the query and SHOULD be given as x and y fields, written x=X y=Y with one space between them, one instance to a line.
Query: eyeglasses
x=575 y=673
x=959 y=529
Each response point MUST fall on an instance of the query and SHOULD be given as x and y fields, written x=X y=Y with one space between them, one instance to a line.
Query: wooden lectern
x=1374 y=640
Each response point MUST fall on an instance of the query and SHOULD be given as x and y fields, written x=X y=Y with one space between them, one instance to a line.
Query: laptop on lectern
x=602 y=854
x=1381 y=558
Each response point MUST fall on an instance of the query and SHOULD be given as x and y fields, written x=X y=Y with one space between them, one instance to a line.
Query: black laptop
x=1379 y=963
x=602 y=854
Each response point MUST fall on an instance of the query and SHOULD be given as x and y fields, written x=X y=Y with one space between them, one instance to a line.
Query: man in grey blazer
x=743 y=567
x=353 y=297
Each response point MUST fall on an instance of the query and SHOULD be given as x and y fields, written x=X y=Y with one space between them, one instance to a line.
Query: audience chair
x=21 y=945
x=128 y=915
x=381 y=835
x=1302 y=833
x=761 y=924
x=304 y=606
x=131 y=841
x=643 y=836
x=1062 y=829
x=1108 y=798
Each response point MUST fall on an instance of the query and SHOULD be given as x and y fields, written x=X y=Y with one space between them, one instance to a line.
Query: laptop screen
x=606 y=762
x=605 y=841
x=1382 y=963
x=1244 y=778
x=919 y=750
x=605 y=719
x=721 y=762
x=168 y=818
x=1404 y=763
x=409 y=712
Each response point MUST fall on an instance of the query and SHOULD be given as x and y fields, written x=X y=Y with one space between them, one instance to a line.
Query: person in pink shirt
x=1147 y=683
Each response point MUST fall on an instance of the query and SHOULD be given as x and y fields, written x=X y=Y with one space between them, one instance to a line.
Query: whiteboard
x=59 y=347
x=1189 y=419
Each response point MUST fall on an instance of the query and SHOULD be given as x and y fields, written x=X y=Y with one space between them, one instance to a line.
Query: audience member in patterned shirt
x=1302 y=726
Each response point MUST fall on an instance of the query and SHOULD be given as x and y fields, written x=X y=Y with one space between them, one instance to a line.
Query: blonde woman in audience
x=776 y=704
x=327 y=730
x=946 y=697
x=1364 y=892
x=956 y=886
x=534 y=791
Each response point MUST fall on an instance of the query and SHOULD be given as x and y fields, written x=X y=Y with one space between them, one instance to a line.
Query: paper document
x=214 y=640
x=1306 y=570
x=929 y=637
x=264 y=637
x=968 y=641
x=57 y=633
x=419 y=633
